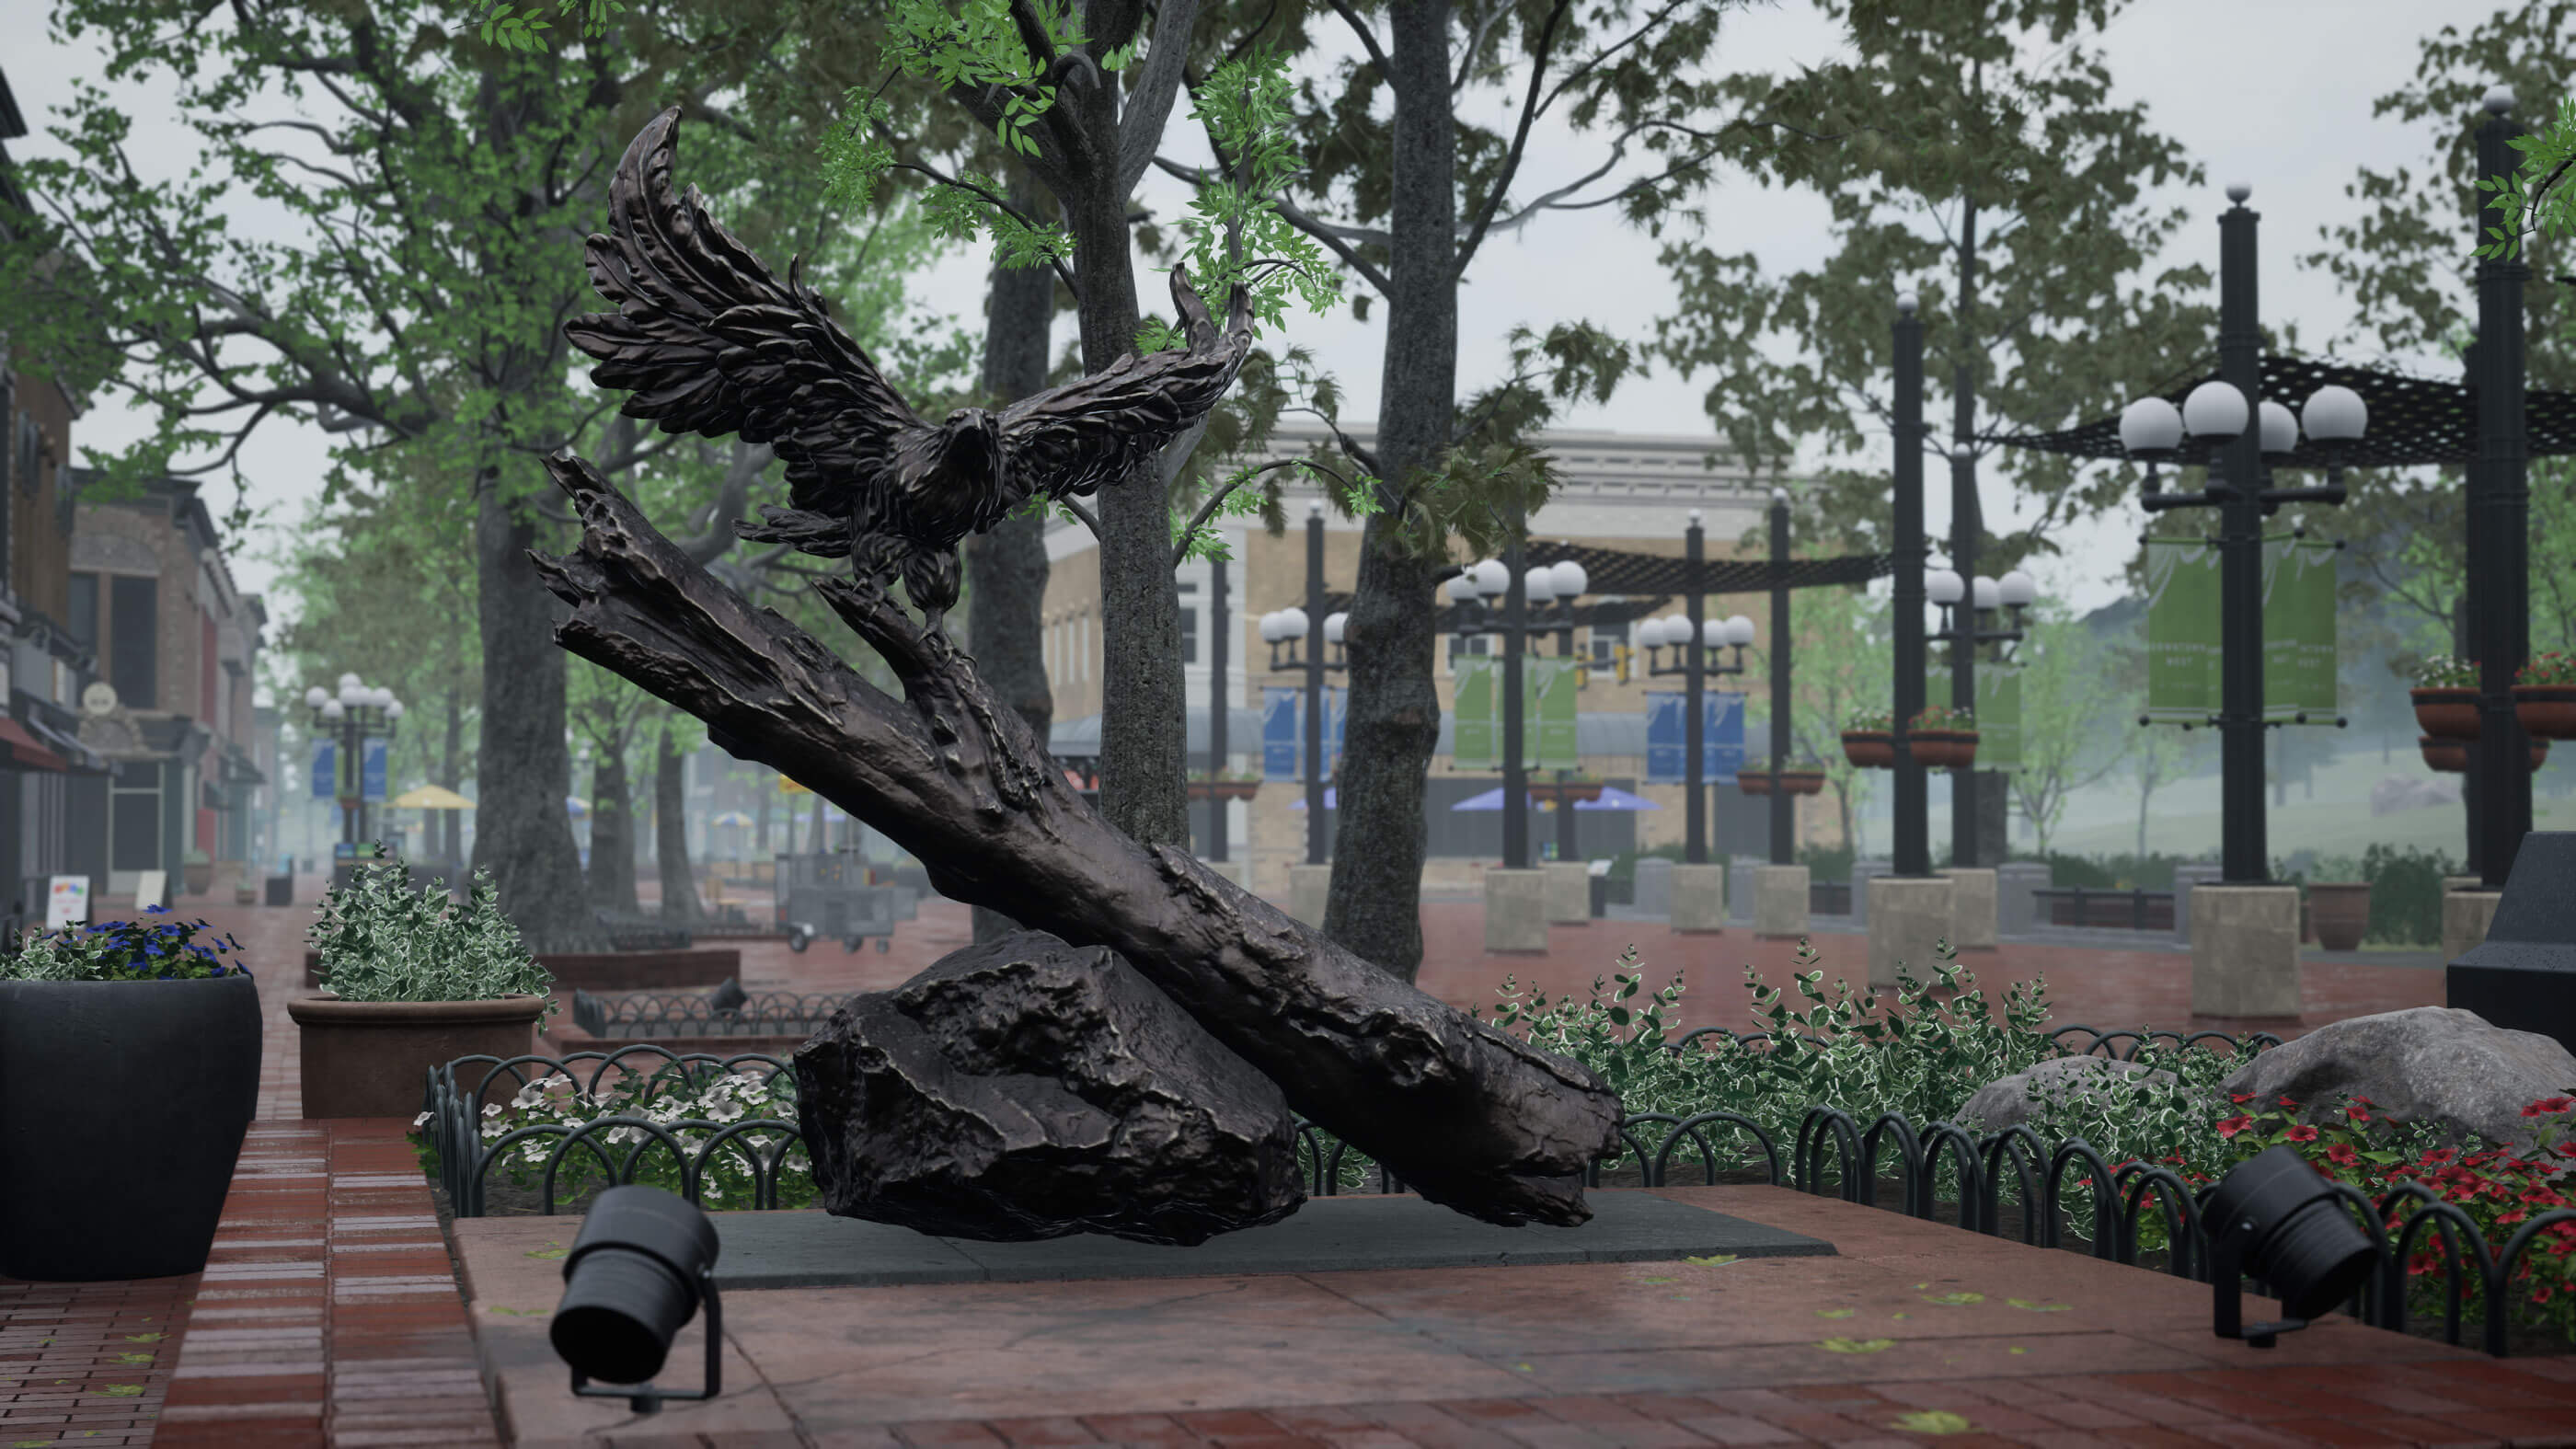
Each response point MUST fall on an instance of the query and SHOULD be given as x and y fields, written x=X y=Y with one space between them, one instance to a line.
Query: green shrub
x=380 y=940
x=1826 y=862
x=2405 y=894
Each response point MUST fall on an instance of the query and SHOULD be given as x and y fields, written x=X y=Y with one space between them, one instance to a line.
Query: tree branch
x=1149 y=106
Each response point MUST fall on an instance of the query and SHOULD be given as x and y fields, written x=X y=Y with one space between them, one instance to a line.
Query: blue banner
x=1279 y=721
x=1721 y=739
x=326 y=772
x=371 y=760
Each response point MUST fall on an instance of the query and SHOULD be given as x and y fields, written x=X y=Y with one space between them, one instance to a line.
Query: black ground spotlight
x=635 y=1275
x=2277 y=1219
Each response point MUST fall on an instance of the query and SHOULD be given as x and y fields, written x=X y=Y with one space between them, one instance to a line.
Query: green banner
x=1551 y=683
x=2299 y=630
x=1472 y=741
x=2182 y=630
x=1998 y=711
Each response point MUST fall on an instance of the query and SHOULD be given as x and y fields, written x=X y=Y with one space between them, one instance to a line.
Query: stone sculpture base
x=1907 y=916
x=1028 y=1089
x=1515 y=910
x=2245 y=951
x=1699 y=898
x=810 y=1250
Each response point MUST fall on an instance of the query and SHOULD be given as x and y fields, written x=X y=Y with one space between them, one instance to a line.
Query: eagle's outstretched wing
x=1072 y=439
x=709 y=341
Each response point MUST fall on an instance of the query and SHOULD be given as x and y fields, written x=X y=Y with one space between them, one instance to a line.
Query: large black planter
x=122 y=1110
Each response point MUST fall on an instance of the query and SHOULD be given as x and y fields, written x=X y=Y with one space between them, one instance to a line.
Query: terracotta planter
x=1224 y=789
x=1753 y=782
x=122 y=1109
x=2452 y=756
x=2340 y=912
x=1870 y=749
x=1945 y=749
x=198 y=878
x=372 y=1058
x=2547 y=711
x=1802 y=782
x=2449 y=713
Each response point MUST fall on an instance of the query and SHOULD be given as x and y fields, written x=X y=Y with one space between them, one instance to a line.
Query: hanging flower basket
x=1224 y=789
x=2547 y=711
x=1804 y=780
x=2445 y=712
x=1945 y=749
x=1753 y=782
x=1870 y=749
x=2452 y=756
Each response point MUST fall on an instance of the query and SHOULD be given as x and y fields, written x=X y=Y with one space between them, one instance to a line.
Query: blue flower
x=156 y=910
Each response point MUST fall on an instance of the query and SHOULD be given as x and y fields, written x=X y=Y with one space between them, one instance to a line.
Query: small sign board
x=151 y=888
x=66 y=901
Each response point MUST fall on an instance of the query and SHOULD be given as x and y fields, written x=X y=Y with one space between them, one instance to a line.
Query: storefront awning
x=20 y=750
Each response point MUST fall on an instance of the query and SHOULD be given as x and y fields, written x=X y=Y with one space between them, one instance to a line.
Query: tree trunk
x=612 y=833
x=1465 y=1115
x=671 y=832
x=1375 y=903
x=522 y=833
x=1007 y=567
x=1144 y=787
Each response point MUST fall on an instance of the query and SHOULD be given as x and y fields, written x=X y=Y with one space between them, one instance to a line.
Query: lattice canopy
x=2413 y=420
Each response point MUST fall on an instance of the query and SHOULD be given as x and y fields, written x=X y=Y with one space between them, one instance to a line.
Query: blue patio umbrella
x=1614 y=798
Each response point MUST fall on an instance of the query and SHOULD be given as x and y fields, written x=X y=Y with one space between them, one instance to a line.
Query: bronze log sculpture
x=1468 y=1116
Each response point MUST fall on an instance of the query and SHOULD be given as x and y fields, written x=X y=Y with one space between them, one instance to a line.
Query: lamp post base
x=1516 y=910
x=1569 y=892
x=1308 y=886
x=1907 y=914
x=1780 y=900
x=1699 y=898
x=2245 y=951
x=1972 y=908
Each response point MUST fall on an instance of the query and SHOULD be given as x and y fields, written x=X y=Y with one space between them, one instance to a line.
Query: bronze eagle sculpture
x=707 y=340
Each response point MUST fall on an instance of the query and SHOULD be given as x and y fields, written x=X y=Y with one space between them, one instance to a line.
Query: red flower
x=2362 y=1102
x=2286 y=1102
x=2301 y=1133
x=2355 y=1114
x=2549 y=1106
x=2234 y=1125
x=2240 y=1097
x=2439 y=1154
x=2342 y=1155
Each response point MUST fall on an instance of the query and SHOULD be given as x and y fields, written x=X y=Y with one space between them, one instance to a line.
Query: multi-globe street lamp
x=1473 y=593
x=1318 y=630
x=356 y=713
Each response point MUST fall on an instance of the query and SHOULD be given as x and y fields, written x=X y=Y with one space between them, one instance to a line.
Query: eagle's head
x=970 y=445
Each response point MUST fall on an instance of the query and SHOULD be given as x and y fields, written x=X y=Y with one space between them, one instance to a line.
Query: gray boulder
x=2432 y=1064
x=2089 y=1080
x=1027 y=1089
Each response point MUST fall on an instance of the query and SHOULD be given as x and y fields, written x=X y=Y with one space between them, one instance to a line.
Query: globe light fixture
x=2275 y=1218
x=1334 y=624
x=2215 y=410
x=1739 y=630
x=641 y=1266
x=1492 y=579
x=1270 y=627
x=2151 y=430
x=2334 y=418
x=314 y=697
x=2280 y=430
x=333 y=710
x=1538 y=585
x=348 y=682
x=1651 y=634
x=1569 y=579
x=2018 y=589
x=1943 y=587
x=393 y=709
x=1462 y=589
x=352 y=693
x=1985 y=592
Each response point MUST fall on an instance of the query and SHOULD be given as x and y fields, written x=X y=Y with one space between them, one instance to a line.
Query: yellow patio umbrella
x=426 y=799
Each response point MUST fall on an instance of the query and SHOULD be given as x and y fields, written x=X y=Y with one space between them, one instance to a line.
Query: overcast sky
x=2276 y=93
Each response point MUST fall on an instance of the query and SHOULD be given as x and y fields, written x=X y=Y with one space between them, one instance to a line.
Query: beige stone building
x=1629 y=492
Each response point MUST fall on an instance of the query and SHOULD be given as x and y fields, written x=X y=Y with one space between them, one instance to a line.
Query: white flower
x=491 y=1109
x=726 y=1111
x=420 y=1121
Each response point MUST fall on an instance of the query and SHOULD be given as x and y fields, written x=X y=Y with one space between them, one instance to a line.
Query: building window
x=1189 y=635
x=134 y=817
x=134 y=657
x=1606 y=639
x=31 y=443
x=1472 y=644
x=83 y=623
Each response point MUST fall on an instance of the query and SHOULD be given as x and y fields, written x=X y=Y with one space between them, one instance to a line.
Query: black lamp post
x=2217 y=413
x=1784 y=846
x=1554 y=588
x=2499 y=548
x=1695 y=640
x=1968 y=610
x=1316 y=629
x=1913 y=847
x=355 y=713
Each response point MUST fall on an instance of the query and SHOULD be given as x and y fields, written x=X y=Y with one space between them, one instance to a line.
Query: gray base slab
x=1330 y=1234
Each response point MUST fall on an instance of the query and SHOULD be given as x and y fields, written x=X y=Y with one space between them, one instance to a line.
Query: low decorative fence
x=2133 y=1207
x=656 y=1015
